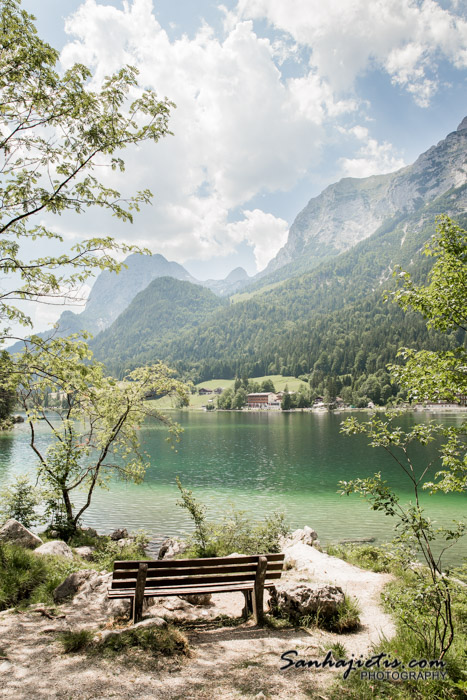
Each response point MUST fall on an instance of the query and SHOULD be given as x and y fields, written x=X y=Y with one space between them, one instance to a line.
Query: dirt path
x=227 y=663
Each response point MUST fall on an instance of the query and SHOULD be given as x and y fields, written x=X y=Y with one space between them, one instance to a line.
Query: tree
x=239 y=400
x=268 y=385
x=19 y=500
x=54 y=132
x=286 y=402
x=429 y=375
x=224 y=401
x=426 y=374
x=95 y=434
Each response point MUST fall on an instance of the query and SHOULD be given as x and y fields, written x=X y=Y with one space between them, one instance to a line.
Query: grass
x=337 y=650
x=346 y=619
x=197 y=401
x=408 y=644
x=26 y=578
x=366 y=556
x=165 y=641
x=75 y=640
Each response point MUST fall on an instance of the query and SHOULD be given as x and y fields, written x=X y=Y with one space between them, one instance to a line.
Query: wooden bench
x=249 y=574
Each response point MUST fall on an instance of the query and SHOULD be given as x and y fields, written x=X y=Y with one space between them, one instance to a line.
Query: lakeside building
x=266 y=400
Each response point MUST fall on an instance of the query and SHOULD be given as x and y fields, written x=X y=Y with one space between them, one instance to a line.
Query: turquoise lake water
x=257 y=462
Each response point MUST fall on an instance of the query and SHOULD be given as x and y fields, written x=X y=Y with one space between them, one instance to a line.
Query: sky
x=275 y=100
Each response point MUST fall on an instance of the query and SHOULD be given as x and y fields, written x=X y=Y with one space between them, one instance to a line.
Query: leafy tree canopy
x=54 y=132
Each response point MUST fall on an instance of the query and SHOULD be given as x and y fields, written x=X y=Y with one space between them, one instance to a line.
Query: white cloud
x=264 y=232
x=240 y=129
x=372 y=158
x=405 y=38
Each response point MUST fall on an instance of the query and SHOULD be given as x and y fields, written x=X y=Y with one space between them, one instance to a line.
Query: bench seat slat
x=193 y=580
x=186 y=590
x=197 y=571
x=189 y=563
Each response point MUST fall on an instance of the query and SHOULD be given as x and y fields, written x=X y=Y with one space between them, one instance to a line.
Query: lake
x=257 y=462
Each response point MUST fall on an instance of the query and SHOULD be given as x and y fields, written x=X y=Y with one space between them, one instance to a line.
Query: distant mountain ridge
x=352 y=209
x=154 y=318
x=309 y=309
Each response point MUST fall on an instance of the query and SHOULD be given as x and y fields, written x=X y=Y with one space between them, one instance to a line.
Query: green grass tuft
x=159 y=641
x=75 y=640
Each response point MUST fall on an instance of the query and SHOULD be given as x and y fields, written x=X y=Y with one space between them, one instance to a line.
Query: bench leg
x=139 y=592
x=258 y=592
x=248 y=609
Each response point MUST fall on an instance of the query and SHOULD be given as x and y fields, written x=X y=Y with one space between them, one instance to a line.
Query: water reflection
x=259 y=462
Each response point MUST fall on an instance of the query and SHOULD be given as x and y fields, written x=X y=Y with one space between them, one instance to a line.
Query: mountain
x=155 y=317
x=235 y=280
x=332 y=314
x=112 y=293
x=352 y=209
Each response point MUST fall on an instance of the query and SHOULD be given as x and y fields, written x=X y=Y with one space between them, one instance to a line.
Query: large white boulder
x=13 y=532
x=299 y=599
x=56 y=548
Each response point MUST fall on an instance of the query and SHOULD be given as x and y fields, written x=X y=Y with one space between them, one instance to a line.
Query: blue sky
x=275 y=101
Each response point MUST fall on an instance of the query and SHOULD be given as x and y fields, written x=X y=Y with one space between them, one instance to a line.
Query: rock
x=151 y=622
x=56 y=548
x=201 y=599
x=89 y=590
x=13 y=532
x=119 y=534
x=307 y=536
x=89 y=531
x=125 y=542
x=85 y=552
x=70 y=586
x=144 y=624
x=176 y=604
x=170 y=547
x=299 y=599
x=359 y=540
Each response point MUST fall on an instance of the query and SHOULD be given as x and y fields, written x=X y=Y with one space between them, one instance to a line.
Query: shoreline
x=347 y=409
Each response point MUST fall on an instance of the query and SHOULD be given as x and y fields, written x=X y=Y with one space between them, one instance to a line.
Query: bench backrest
x=177 y=572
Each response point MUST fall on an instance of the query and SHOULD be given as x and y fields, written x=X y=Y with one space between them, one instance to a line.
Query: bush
x=107 y=551
x=57 y=570
x=165 y=641
x=27 y=578
x=19 y=500
x=235 y=533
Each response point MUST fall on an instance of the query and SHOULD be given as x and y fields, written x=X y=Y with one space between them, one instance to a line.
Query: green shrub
x=19 y=500
x=107 y=551
x=27 y=578
x=57 y=570
x=346 y=618
x=235 y=533
x=337 y=650
x=411 y=641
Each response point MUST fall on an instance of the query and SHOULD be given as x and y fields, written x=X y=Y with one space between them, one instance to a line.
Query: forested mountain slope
x=154 y=319
x=338 y=305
